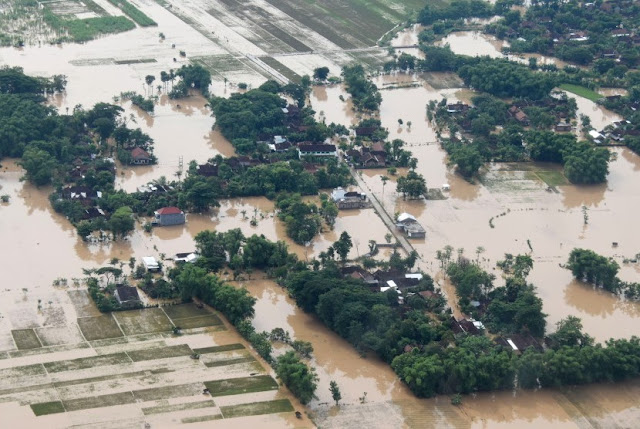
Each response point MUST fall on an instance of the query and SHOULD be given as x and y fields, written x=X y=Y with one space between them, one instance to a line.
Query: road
x=382 y=213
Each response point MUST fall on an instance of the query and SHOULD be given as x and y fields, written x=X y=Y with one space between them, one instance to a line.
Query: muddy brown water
x=552 y=222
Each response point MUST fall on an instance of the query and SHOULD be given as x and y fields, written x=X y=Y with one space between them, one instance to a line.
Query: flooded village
x=170 y=362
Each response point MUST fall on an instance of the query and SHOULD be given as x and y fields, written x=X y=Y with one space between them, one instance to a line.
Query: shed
x=150 y=263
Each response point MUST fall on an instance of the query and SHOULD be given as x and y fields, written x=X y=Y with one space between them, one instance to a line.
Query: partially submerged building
x=150 y=263
x=410 y=226
x=169 y=216
x=127 y=295
x=346 y=200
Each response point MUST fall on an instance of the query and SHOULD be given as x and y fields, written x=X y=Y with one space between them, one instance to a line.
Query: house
x=466 y=326
x=279 y=139
x=80 y=193
x=609 y=53
x=307 y=149
x=188 y=257
x=519 y=115
x=140 y=156
x=93 y=213
x=365 y=131
x=359 y=273
x=457 y=108
x=279 y=147
x=578 y=36
x=562 y=127
x=596 y=136
x=519 y=343
x=127 y=295
x=377 y=149
x=410 y=226
x=620 y=32
x=169 y=216
x=150 y=263
x=397 y=279
x=207 y=170
x=346 y=200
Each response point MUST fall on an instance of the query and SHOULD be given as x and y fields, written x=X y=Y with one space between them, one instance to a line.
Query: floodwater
x=600 y=117
x=525 y=216
x=390 y=404
x=473 y=43
x=325 y=100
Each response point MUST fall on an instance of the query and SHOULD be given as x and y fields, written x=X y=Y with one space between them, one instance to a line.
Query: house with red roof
x=140 y=156
x=169 y=216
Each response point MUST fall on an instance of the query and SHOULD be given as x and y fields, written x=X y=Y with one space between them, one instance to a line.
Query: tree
x=343 y=245
x=84 y=228
x=589 y=267
x=586 y=164
x=39 y=166
x=298 y=377
x=412 y=185
x=321 y=73
x=335 y=392
x=467 y=160
x=149 y=80
x=121 y=222
x=569 y=333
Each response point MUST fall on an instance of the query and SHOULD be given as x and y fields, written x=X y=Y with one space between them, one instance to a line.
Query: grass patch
x=149 y=320
x=218 y=349
x=282 y=69
x=160 y=353
x=99 y=328
x=168 y=392
x=236 y=386
x=88 y=362
x=231 y=361
x=45 y=408
x=552 y=178
x=26 y=339
x=99 y=401
x=83 y=30
x=178 y=407
x=581 y=91
x=201 y=418
x=257 y=408
x=134 y=13
x=198 y=322
x=22 y=371
x=183 y=311
x=121 y=376
x=139 y=61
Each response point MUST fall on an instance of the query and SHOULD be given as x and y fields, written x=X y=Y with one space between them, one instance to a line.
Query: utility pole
x=180 y=167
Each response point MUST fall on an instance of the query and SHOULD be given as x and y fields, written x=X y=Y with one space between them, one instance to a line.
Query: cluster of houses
x=373 y=156
x=614 y=133
x=87 y=197
x=383 y=281
x=557 y=105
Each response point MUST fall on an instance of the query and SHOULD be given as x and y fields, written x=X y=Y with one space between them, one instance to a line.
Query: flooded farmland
x=44 y=328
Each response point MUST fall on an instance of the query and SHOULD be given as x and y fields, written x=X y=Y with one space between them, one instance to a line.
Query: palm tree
x=384 y=182
x=149 y=80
